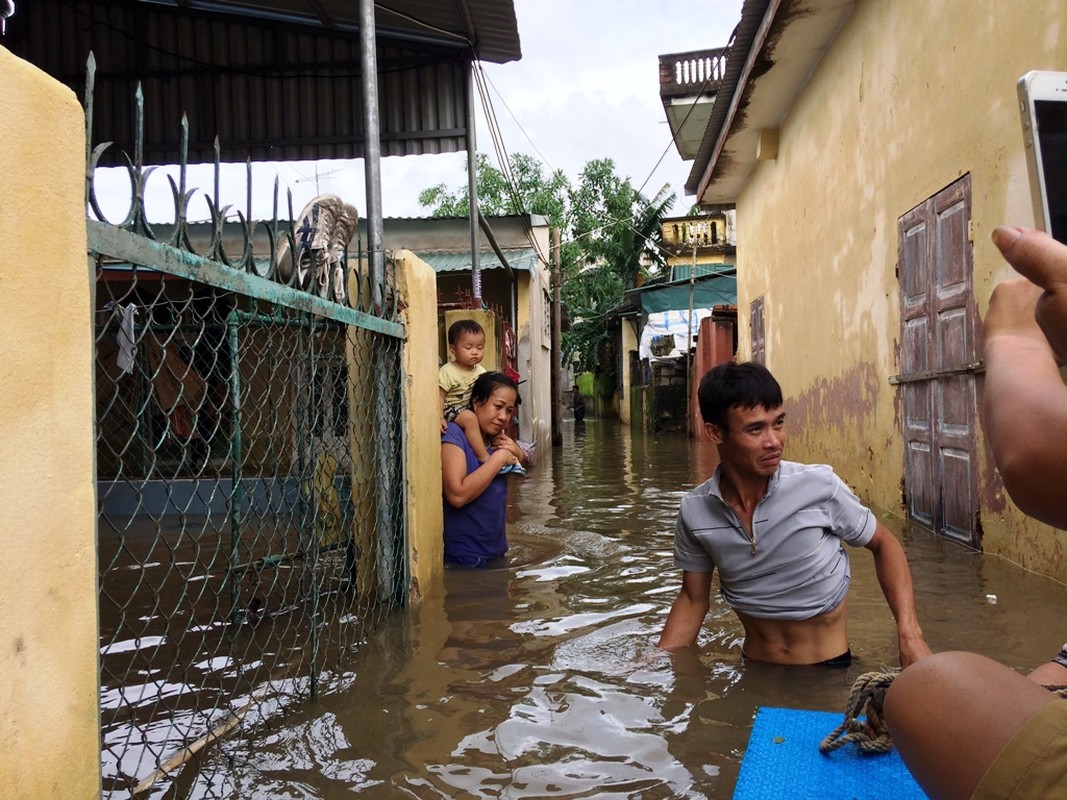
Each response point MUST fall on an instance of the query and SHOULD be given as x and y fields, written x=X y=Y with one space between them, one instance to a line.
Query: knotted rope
x=871 y=736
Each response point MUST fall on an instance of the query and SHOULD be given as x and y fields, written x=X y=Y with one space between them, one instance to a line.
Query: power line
x=502 y=156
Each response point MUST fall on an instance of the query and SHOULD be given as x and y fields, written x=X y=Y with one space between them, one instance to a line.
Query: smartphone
x=1043 y=105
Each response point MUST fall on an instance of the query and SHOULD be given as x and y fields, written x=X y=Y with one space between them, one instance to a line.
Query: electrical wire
x=503 y=158
x=484 y=81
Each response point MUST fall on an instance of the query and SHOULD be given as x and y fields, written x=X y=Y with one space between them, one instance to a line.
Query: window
x=755 y=317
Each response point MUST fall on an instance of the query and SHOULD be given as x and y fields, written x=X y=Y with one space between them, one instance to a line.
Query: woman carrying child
x=475 y=492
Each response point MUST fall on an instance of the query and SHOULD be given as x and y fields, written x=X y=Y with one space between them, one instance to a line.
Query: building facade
x=878 y=147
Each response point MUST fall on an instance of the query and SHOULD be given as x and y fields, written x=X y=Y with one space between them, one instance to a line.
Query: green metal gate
x=250 y=475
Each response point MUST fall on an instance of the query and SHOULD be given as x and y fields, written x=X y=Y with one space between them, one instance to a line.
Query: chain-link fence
x=250 y=479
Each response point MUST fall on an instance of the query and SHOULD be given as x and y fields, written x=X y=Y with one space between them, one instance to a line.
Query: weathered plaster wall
x=417 y=283
x=911 y=96
x=535 y=350
x=48 y=617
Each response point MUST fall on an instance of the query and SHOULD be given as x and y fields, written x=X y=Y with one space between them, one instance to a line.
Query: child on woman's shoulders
x=466 y=343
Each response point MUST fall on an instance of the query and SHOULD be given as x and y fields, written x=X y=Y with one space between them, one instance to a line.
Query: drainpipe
x=491 y=237
x=483 y=223
x=556 y=345
x=472 y=189
x=689 y=346
x=372 y=148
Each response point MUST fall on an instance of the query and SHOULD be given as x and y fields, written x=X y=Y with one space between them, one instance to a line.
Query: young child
x=466 y=343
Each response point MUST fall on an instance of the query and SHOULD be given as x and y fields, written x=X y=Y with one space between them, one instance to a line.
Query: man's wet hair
x=487 y=383
x=462 y=326
x=732 y=385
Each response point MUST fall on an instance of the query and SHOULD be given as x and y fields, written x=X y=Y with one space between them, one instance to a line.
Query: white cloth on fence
x=127 y=343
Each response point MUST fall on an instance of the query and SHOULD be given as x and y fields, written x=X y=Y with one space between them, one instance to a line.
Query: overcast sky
x=587 y=87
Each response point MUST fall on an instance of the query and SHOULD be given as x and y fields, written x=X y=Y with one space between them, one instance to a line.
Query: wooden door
x=939 y=325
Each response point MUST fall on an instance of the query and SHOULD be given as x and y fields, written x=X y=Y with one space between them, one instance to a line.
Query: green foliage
x=535 y=192
x=588 y=295
x=609 y=236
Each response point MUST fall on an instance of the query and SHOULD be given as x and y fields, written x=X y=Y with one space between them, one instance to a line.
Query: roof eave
x=779 y=44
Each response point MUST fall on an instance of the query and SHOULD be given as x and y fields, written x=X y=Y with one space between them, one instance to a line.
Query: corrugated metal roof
x=680 y=272
x=520 y=259
x=273 y=79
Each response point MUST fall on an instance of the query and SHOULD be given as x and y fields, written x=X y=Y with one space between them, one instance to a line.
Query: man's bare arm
x=894 y=576
x=688 y=612
x=1024 y=397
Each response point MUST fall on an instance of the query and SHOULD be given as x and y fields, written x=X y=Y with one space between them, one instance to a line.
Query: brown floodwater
x=542 y=678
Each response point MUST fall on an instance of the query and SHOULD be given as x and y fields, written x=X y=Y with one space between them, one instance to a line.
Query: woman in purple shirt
x=475 y=493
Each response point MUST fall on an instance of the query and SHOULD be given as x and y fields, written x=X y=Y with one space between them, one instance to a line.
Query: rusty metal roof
x=775 y=51
x=273 y=79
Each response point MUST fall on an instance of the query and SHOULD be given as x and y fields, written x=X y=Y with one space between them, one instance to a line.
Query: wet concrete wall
x=48 y=622
x=417 y=284
x=909 y=97
x=628 y=346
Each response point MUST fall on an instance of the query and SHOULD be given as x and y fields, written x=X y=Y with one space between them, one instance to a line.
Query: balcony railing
x=693 y=73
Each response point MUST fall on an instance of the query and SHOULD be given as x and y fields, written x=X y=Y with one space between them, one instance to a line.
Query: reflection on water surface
x=542 y=679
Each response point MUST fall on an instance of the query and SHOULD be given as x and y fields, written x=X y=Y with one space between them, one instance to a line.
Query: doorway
x=939 y=326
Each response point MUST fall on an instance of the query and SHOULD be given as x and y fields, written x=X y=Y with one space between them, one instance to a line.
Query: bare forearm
x=1025 y=404
x=462 y=490
x=683 y=622
x=894 y=576
x=504 y=442
x=895 y=581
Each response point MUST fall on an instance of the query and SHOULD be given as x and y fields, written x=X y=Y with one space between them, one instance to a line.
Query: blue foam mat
x=783 y=761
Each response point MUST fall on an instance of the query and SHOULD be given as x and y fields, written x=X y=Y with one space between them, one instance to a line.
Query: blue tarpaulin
x=783 y=760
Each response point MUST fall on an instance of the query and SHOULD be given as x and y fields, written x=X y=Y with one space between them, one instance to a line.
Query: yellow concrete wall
x=48 y=623
x=911 y=95
x=417 y=284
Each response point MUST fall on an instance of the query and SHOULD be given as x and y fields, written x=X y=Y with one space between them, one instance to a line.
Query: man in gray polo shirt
x=774 y=530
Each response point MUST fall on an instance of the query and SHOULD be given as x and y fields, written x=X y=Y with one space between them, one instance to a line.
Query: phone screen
x=1052 y=140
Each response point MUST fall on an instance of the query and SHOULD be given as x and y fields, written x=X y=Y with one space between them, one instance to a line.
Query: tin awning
x=274 y=80
x=708 y=291
x=520 y=259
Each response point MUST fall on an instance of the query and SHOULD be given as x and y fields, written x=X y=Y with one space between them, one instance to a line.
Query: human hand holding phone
x=1043 y=109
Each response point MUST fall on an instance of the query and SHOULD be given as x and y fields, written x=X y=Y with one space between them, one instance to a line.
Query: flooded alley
x=544 y=680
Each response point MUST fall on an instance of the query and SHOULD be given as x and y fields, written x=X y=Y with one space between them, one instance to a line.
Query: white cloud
x=587 y=86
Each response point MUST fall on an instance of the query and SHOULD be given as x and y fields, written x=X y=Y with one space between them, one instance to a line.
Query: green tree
x=531 y=191
x=609 y=234
x=618 y=231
